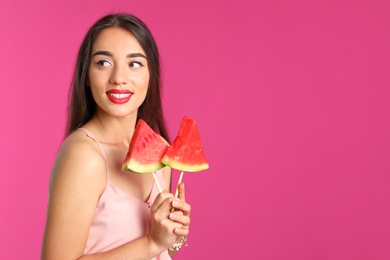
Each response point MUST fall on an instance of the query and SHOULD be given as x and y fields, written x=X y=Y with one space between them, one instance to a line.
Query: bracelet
x=178 y=245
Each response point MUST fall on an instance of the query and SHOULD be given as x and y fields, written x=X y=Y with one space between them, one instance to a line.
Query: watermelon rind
x=136 y=167
x=184 y=167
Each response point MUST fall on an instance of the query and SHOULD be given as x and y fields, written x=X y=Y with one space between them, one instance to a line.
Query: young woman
x=96 y=211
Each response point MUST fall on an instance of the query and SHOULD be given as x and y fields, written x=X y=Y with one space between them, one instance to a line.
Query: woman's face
x=118 y=73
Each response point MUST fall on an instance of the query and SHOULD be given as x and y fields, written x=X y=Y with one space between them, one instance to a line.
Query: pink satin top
x=119 y=217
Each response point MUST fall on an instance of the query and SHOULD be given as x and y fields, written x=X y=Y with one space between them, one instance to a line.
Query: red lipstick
x=119 y=96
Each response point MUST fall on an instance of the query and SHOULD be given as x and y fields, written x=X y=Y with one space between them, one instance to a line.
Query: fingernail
x=172 y=216
x=175 y=203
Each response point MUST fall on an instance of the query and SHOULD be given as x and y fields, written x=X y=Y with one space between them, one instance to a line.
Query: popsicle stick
x=157 y=183
x=177 y=187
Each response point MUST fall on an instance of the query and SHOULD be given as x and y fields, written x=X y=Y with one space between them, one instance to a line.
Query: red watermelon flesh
x=146 y=150
x=186 y=152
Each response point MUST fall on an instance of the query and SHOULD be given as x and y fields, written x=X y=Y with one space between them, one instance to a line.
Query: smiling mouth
x=114 y=95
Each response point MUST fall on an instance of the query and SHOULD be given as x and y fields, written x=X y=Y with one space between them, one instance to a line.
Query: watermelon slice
x=186 y=152
x=146 y=150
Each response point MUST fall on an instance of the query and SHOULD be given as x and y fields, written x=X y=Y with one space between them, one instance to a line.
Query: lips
x=119 y=96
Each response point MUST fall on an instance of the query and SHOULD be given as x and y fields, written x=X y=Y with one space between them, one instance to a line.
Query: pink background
x=292 y=99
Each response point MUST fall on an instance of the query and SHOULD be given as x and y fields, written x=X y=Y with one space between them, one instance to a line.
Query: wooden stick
x=157 y=183
x=177 y=187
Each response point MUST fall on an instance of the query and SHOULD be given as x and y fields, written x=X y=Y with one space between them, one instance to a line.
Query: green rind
x=175 y=164
x=134 y=166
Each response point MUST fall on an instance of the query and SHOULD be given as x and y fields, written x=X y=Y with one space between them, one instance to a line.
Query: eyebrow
x=130 y=55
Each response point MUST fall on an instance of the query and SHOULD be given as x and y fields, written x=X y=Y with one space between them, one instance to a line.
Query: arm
x=78 y=180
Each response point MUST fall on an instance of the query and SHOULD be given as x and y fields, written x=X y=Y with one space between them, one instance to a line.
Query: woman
x=96 y=211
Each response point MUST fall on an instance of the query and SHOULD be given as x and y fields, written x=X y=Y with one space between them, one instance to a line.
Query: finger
x=181 y=205
x=181 y=231
x=160 y=199
x=180 y=218
x=181 y=194
x=178 y=212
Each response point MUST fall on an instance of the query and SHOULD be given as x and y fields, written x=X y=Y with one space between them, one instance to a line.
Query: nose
x=119 y=75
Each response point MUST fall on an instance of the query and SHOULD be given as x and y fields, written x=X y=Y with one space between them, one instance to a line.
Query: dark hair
x=82 y=106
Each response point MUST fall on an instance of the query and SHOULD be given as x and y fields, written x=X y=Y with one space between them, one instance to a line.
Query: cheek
x=144 y=78
x=142 y=82
x=96 y=83
x=91 y=79
x=145 y=89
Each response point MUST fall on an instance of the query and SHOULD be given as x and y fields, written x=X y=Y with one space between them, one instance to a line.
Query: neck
x=113 y=130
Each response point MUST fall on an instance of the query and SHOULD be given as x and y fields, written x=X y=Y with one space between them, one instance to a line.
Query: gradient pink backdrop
x=292 y=99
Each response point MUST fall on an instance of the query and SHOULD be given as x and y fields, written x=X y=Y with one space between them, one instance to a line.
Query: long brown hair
x=82 y=106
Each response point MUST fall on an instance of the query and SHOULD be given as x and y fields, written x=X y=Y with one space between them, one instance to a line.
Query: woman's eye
x=103 y=63
x=136 y=65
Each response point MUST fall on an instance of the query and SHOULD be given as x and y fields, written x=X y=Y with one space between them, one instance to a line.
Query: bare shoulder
x=80 y=144
x=79 y=160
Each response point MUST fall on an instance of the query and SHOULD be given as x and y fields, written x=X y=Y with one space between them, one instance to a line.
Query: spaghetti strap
x=90 y=135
